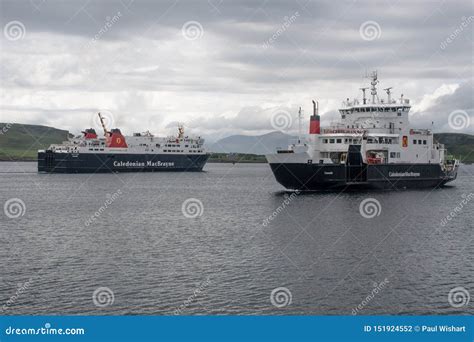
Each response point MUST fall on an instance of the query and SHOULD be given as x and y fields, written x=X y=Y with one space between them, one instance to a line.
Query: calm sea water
x=142 y=254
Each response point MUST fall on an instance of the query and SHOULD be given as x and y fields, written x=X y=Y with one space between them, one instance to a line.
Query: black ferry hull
x=313 y=177
x=54 y=162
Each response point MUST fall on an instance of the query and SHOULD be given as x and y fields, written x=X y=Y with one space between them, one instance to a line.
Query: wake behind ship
x=371 y=147
x=142 y=152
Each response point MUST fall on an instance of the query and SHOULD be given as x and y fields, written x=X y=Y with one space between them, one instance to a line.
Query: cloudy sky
x=224 y=67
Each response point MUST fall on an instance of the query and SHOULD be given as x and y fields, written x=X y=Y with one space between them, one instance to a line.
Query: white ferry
x=142 y=152
x=372 y=146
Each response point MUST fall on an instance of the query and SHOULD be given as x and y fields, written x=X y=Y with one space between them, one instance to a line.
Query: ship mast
x=300 y=116
x=180 y=131
x=364 y=99
x=373 y=83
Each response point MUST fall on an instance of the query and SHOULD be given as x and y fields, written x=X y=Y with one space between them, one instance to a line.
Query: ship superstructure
x=372 y=145
x=114 y=152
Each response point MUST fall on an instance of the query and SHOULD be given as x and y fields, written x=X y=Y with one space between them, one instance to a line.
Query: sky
x=224 y=67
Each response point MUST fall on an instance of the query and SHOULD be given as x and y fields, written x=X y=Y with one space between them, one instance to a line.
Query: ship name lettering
x=404 y=174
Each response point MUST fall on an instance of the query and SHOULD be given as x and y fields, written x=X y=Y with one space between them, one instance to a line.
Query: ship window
x=419 y=142
x=399 y=114
x=339 y=141
x=394 y=109
x=331 y=141
x=325 y=141
x=343 y=116
x=414 y=141
x=424 y=142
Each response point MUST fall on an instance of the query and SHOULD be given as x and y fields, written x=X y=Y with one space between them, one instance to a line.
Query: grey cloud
x=462 y=99
x=143 y=64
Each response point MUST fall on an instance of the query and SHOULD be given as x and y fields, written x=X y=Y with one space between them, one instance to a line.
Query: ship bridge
x=383 y=115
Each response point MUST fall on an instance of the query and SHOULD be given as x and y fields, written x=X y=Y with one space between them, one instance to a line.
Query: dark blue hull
x=51 y=162
x=380 y=176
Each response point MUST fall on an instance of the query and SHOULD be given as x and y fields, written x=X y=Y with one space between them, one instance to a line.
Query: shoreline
x=209 y=161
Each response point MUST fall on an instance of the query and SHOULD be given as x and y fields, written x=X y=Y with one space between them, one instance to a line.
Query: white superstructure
x=379 y=125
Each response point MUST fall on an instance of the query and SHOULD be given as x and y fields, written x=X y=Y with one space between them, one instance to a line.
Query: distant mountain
x=257 y=144
x=22 y=142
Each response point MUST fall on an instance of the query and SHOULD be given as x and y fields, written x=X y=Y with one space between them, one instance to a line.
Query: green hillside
x=22 y=142
x=236 y=158
x=458 y=144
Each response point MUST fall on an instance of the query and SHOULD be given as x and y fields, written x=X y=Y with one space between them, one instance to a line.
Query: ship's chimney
x=314 y=121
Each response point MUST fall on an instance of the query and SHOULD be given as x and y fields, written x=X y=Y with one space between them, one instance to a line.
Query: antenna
x=300 y=116
x=388 y=94
x=363 y=94
x=373 y=83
